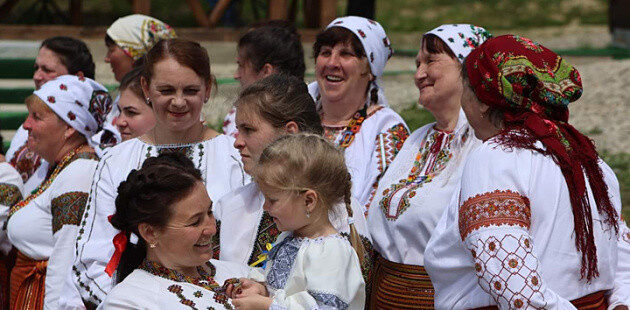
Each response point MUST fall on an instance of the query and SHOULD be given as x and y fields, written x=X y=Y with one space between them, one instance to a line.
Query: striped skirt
x=27 y=283
x=595 y=301
x=400 y=286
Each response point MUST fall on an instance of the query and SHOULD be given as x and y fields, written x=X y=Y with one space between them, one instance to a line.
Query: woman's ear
x=267 y=70
x=209 y=89
x=145 y=86
x=291 y=127
x=148 y=233
x=69 y=132
x=310 y=200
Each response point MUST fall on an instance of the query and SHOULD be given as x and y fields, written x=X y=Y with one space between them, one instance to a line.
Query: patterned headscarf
x=81 y=102
x=377 y=48
x=461 y=38
x=136 y=34
x=533 y=86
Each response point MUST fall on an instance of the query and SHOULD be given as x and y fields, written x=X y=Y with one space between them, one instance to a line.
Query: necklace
x=205 y=280
x=78 y=152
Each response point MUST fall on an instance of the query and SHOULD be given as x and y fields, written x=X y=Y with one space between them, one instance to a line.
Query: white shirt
x=44 y=226
x=216 y=158
x=146 y=290
x=321 y=273
x=10 y=193
x=415 y=190
x=245 y=229
x=508 y=237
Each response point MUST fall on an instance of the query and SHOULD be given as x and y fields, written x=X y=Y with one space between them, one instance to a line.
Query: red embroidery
x=494 y=208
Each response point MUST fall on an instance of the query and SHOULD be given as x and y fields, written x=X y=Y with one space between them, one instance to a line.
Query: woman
x=176 y=82
x=11 y=192
x=63 y=115
x=131 y=37
x=136 y=116
x=273 y=47
x=420 y=182
x=165 y=217
x=274 y=106
x=57 y=56
x=350 y=56
x=536 y=202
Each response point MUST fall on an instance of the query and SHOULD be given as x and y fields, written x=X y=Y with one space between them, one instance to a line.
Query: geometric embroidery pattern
x=494 y=208
x=9 y=194
x=283 y=256
x=267 y=233
x=507 y=269
x=67 y=209
x=329 y=300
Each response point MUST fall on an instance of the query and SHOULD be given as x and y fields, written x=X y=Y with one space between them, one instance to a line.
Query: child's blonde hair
x=302 y=161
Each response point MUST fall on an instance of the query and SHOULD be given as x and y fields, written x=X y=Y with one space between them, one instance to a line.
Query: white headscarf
x=376 y=45
x=461 y=38
x=136 y=34
x=81 y=102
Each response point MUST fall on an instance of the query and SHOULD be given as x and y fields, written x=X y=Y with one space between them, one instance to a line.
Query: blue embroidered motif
x=283 y=256
x=329 y=300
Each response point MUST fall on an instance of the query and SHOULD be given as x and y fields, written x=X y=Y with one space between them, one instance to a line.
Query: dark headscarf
x=533 y=87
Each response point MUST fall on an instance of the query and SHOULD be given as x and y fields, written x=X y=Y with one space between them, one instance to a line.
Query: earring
x=148 y=100
x=308 y=214
x=152 y=245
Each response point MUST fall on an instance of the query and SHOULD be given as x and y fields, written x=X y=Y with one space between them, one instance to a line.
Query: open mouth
x=333 y=78
x=204 y=243
x=177 y=114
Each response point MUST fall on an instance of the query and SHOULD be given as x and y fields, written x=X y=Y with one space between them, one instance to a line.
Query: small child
x=311 y=266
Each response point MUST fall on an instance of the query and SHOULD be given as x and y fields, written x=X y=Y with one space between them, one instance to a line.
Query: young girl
x=311 y=266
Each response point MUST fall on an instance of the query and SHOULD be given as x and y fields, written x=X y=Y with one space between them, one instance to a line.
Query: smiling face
x=439 y=81
x=177 y=95
x=46 y=131
x=136 y=117
x=186 y=240
x=120 y=62
x=48 y=66
x=254 y=134
x=341 y=75
x=287 y=209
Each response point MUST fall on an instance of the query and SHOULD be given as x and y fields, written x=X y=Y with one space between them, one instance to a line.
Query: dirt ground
x=602 y=112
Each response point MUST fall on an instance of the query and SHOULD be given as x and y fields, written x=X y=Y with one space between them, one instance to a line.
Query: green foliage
x=620 y=163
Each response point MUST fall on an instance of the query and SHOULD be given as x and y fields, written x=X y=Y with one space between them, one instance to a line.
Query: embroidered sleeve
x=67 y=209
x=9 y=194
x=494 y=227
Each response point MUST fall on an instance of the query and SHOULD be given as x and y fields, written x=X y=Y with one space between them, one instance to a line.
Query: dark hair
x=187 y=53
x=146 y=196
x=73 y=53
x=131 y=81
x=276 y=43
x=435 y=45
x=334 y=35
x=282 y=98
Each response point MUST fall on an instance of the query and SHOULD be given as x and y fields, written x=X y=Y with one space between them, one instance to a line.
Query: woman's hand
x=253 y=302
x=245 y=287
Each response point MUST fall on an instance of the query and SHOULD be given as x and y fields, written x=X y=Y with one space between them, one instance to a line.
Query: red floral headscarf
x=533 y=87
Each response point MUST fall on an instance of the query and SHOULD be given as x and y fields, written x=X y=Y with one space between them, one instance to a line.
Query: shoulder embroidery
x=494 y=208
x=67 y=209
x=9 y=194
x=267 y=233
x=283 y=259
x=329 y=300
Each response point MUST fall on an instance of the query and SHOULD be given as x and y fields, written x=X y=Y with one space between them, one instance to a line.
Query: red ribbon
x=120 y=243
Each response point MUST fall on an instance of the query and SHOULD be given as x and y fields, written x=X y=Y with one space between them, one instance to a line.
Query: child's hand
x=253 y=302
x=250 y=287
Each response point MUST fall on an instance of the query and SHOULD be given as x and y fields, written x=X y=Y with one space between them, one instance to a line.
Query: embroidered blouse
x=43 y=225
x=414 y=192
x=10 y=193
x=219 y=164
x=245 y=229
x=229 y=123
x=29 y=165
x=152 y=286
x=321 y=273
x=379 y=138
x=507 y=238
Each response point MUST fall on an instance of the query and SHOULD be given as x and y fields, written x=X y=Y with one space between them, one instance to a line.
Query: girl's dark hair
x=333 y=35
x=146 y=197
x=73 y=53
x=435 y=45
x=131 y=81
x=281 y=98
x=187 y=53
x=276 y=43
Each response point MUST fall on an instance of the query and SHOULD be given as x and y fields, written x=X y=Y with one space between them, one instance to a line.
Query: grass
x=416 y=117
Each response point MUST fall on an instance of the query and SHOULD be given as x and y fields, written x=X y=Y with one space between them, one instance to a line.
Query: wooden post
x=327 y=13
x=141 y=7
x=76 y=12
x=217 y=12
x=198 y=12
x=277 y=9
